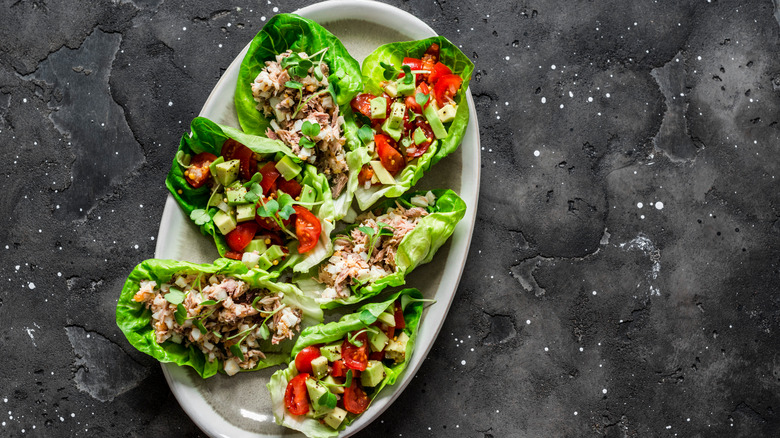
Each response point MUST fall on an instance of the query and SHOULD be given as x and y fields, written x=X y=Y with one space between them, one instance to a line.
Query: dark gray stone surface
x=623 y=277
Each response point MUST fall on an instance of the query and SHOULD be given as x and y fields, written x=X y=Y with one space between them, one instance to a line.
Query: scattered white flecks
x=594 y=292
x=642 y=217
x=639 y=205
x=5 y=400
x=604 y=391
x=537 y=153
x=581 y=349
x=687 y=419
x=30 y=334
x=527 y=321
x=659 y=205
x=546 y=349
x=507 y=58
x=575 y=412
x=590 y=99
x=698 y=58
x=72 y=415
x=553 y=67
x=24 y=100
x=152 y=238
x=184 y=28
x=62 y=419
x=607 y=95
x=571 y=94
x=17 y=267
x=544 y=100
x=561 y=106
x=135 y=246
x=668 y=427
x=170 y=103
x=463 y=362
x=276 y=9
x=31 y=285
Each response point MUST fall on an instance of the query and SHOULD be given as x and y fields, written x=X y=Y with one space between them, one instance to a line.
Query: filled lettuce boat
x=413 y=113
x=256 y=199
x=213 y=318
x=383 y=247
x=295 y=84
x=338 y=369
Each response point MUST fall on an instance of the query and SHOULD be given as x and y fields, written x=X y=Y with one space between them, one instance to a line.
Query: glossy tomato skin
x=338 y=369
x=439 y=70
x=366 y=173
x=446 y=88
x=233 y=150
x=422 y=148
x=362 y=103
x=307 y=229
x=391 y=159
x=304 y=357
x=355 y=399
x=291 y=187
x=400 y=322
x=240 y=237
x=198 y=171
x=296 y=396
x=270 y=175
x=355 y=357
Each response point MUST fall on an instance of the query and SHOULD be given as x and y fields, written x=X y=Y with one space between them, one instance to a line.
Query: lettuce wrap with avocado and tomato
x=413 y=112
x=383 y=247
x=214 y=318
x=295 y=84
x=256 y=199
x=338 y=369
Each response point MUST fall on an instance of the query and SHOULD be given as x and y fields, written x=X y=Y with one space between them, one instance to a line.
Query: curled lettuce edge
x=417 y=247
x=372 y=71
x=289 y=31
x=331 y=332
x=134 y=319
x=208 y=136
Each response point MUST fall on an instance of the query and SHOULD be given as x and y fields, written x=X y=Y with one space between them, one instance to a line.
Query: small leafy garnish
x=294 y=84
x=389 y=72
x=406 y=300
x=310 y=129
x=367 y=318
x=268 y=209
x=366 y=134
x=408 y=76
x=183 y=159
x=180 y=314
x=373 y=235
x=208 y=303
x=421 y=99
x=256 y=178
x=328 y=399
x=254 y=193
x=286 y=206
x=200 y=216
x=199 y=324
x=347 y=380
x=174 y=296
x=305 y=142
x=236 y=350
x=352 y=339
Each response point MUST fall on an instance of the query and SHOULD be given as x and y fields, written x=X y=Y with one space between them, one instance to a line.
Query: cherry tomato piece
x=446 y=88
x=439 y=70
x=362 y=103
x=198 y=171
x=291 y=187
x=422 y=148
x=233 y=150
x=304 y=357
x=366 y=173
x=296 y=396
x=355 y=399
x=270 y=175
x=391 y=159
x=240 y=237
x=355 y=357
x=235 y=255
x=338 y=369
x=307 y=229
x=400 y=322
x=377 y=355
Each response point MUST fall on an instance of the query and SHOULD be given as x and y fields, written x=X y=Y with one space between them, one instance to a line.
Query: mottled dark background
x=622 y=279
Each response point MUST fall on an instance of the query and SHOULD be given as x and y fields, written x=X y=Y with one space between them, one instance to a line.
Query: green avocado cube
x=226 y=222
x=332 y=385
x=274 y=252
x=378 y=340
x=245 y=212
x=319 y=367
x=447 y=113
x=256 y=245
x=331 y=351
x=235 y=195
x=378 y=108
x=263 y=262
x=391 y=89
x=316 y=391
x=396 y=349
x=308 y=196
x=373 y=374
x=227 y=172
x=405 y=89
x=213 y=165
x=335 y=417
x=419 y=136
x=288 y=168
x=395 y=133
x=387 y=318
x=397 y=112
x=215 y=200
x=433 y=119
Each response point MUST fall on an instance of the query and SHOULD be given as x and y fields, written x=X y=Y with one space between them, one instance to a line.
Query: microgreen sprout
x=421 y=99
x=201 y=215
x=366 y=134
x=311 y=130
x=236 y=348
x=373 y=235
x=278 y=210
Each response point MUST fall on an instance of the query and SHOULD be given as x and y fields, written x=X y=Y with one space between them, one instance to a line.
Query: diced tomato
x=338 y=369
x=376 y=355
x=233 y=150
x=390 y=332
x=362 y=103
x=413 y=63
x=411 y=101
x=198 y=172
x=304 y=357
x=235 y=255
x=439 y=70
x=400 y=322
x=366 y=173
x=266 y=223
x=391 y=159
x=240 y=237
x=355 y=357
x=446 y=88
x=355 y=399
x=307 y=229
x=422 y=148
x=291 y=187
x=432 y=54
x=296 y=396
x=270 y=175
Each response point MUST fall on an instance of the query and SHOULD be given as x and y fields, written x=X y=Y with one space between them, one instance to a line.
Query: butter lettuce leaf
x=134 y=319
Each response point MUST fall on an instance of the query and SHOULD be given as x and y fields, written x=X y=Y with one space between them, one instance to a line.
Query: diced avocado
x=227 y=172
x=396 y=118
x=288 y=168
x=381 y=173
x=447 y=113
x=335 y=417
x=263 y=262
x=256 y=245
x=387 y=318
x=419 y=136
x=274 y=252
x=308 y=195
x=319 y=367
x=373 y=374
x=433 y=120
x=235 y=195
x=215 y=200
x=226 y=222
x=316 y=391
x=331 y=351
x=406 y=142
x=245 y=212
x=377 y=340
x=213 y=165
x=332 y=385
x=395 y=133
x=405 y=89
x=391 y=89
x=396 y=349
x=378 y=108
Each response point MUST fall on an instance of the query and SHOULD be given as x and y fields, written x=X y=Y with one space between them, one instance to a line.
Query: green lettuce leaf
x=334 y=331
x=417 y=247
x=134 y=319
x=208 y=136
x=373 y=75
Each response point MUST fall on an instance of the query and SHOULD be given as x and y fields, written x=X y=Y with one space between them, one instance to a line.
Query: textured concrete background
x=623 y=277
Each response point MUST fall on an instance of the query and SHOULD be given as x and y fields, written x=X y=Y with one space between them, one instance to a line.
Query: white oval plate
x=239 y=406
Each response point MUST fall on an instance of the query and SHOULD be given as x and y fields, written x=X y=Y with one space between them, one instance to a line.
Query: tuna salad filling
x=222 y=316
x=294 y=93
x=367 y=253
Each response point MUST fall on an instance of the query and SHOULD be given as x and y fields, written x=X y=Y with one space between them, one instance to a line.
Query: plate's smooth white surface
x=238 y=406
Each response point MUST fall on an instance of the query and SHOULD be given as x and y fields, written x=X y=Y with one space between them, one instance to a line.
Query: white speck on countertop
x=170 y=103
x=31 y=285
x=536 y=153
x=659 y=205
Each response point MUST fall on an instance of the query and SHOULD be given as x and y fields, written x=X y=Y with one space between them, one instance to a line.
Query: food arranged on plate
x=337 y=369
x=309 y=204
